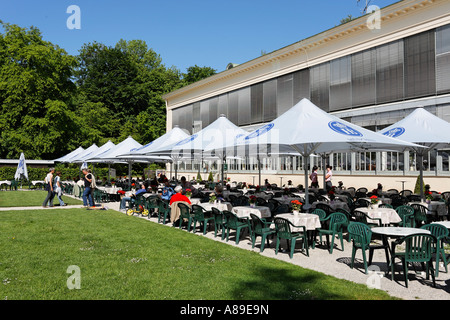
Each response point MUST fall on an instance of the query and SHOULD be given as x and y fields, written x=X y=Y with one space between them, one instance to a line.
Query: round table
x=387 y=215
x=259 y=211
x=437 y=208
x=307 y=220
x=218 y=205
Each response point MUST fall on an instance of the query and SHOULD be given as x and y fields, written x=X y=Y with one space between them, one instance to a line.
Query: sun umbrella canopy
x=84 y=154
x=421 y=127
x=110 y=155
x=21 y=170
x=72 y=154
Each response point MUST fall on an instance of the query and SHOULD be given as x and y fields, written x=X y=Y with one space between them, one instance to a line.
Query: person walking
x=58 y=189
x=87 y=197
x=313 y=178
x=49 y=188
x=328 y=177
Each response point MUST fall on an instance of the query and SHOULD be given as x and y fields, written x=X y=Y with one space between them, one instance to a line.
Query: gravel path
x=336 y=264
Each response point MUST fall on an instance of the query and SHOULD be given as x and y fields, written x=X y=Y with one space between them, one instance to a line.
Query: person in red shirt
x=178 y=196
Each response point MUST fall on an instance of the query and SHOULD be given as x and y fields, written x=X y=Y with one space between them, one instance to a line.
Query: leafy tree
x=196 y=73
x=35 y=91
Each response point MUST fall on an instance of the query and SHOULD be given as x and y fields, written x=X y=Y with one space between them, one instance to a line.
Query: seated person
x=186 y=185
x=167 y=191
x=218 y=190
x=178 y=196
x=132 y=199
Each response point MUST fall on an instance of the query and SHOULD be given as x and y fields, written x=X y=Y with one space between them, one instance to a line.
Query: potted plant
x=252 y=201
x=188 y=193
x=374 y=201
x=296 y=206
x=212 y=198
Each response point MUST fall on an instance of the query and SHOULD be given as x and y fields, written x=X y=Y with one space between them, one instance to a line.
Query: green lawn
x=122 y=257
x=30 y=199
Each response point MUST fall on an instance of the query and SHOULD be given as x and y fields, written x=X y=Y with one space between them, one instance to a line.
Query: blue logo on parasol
x=260 y=131
x=188 y=139
x=344 y=129
x=395 y=132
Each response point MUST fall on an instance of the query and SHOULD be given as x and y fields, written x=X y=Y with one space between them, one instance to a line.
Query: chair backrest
x=243 y=201
x=232 y=219
x=437 y=230
x=337 y=220
x=342 y=210
x=362 y=189
x=322 y=214
x=360 y=233
x=283 y=228
x=184 y=210
x=385 y=205
x=219 y=217
x=359 y=216
x=256 y=223
x=404 y=211
x=260 y=201
x=198 y=211
x=323 y=199
x=283 y=208
x=325 y=207
x=420 y=212
x=152 y=202
x=362 y=203
x=406 y=193
x=418 y=247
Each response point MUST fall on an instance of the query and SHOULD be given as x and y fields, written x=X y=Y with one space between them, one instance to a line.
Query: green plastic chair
x=283 y=231
x=260 y=227
x=362 y=217
x=163 y=211
x=219 y=222
x=322 y=215
x=420 y=214
x=406 y=213
x=361 y=234
x=152 y=203
x=441 y=233
x=233 y=223
x=185 y=213
x=385 y=205
x=200 y=217
x=418 y=248
x=336 y=221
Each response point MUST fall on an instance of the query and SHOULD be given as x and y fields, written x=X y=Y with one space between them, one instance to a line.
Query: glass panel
x=213 y=109
x=257 y=103
x=363 y=78
x=233 y=104
x=284 y=94
x=270 y=100
x=223 y=105
x=342 y=161
x=244 y=106
x=443 y=59
x=196 y=111
x=320 y=86
x=365 y=161
x=340 y=84
x=389 y=77
x=420 y=65
x=301 y=85
x=204 y=113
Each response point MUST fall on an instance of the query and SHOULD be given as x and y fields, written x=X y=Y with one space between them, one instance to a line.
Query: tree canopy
x=52 y=102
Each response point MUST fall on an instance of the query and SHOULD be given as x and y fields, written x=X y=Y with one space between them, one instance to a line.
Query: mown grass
x=126 y=258
x=30 y=199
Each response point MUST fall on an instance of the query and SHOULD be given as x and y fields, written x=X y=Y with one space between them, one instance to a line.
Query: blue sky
x=185 y=32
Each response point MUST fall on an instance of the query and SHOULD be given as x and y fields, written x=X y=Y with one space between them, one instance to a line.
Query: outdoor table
x=286 y=200
x=259 y=211
x=307 y=220
x=333 y=204
x=264 y=195
x=195 y=200
x=436 y=208
x=218 y=205
x=227 y=193
x=383 y=200
x=395 y=232
x=387 y=215
x=443 y=223
x=6 y=181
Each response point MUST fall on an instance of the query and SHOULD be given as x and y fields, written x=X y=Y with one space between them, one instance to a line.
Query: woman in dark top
x=87 y=189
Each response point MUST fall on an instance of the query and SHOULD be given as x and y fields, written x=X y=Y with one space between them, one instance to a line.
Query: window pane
x=223 y=105
x=301 y=85
x=420 y=65
x=389 y=76
x=320 y=86
x=284 y=94
x=204 y=113
x=257 y=103
x=340 y=84
x=233 y=107
x=443 y=59
x=363 y=78
x=270 y=100
x=213 y=109
x=244 y=106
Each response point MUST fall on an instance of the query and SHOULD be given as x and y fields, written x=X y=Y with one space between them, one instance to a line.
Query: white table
x=259 y=211
x=333 y=204
x=220 y=206
x=286 y=200
x=195 y=200
x=437 y=208
x=6 y=182
x=109 y=190
x=443 y=223
x=398 y=231
x=383 y=200
x=387 y=215
x=307 y=220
